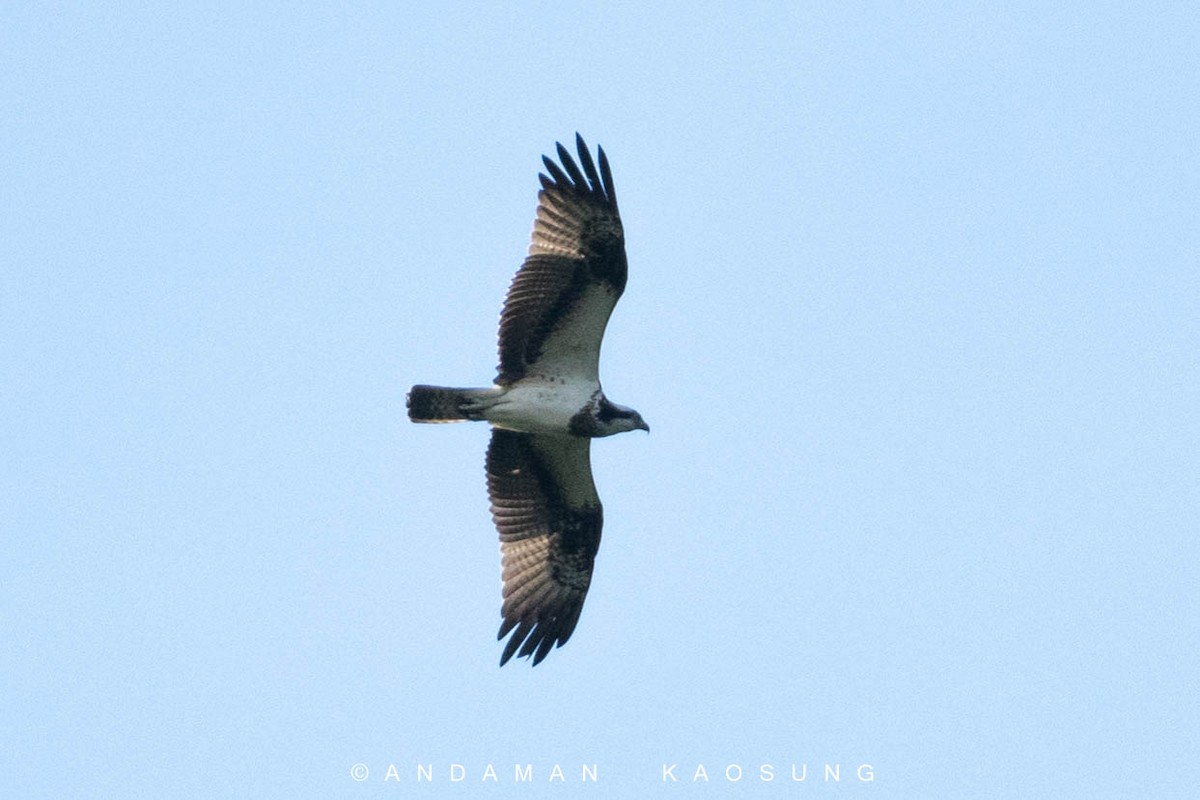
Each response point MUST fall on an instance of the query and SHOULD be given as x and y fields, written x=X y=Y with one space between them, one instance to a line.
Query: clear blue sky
x=912 y=312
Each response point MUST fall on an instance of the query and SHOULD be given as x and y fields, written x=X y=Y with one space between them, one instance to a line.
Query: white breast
x=540 y=405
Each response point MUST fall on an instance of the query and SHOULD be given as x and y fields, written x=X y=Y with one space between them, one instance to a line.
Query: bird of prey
x=546 y=404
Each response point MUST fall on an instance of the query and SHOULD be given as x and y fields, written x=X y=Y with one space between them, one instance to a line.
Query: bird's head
x=612 y=418
x=634 y=422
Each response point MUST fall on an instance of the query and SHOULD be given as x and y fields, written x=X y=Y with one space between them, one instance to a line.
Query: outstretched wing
x=545 y=506
x=560 y=300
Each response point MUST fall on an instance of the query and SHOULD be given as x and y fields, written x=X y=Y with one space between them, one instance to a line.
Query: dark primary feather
x=545 y=506
x=561 y=298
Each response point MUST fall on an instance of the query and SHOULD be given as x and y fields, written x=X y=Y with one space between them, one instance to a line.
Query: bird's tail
x=444 y=404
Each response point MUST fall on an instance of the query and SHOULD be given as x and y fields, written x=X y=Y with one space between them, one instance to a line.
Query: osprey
x=546 y=404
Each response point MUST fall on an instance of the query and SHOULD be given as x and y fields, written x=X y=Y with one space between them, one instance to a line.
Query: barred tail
x=444 y=404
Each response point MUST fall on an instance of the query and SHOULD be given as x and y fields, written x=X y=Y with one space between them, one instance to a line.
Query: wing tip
x=569 y=176
x=533 y=638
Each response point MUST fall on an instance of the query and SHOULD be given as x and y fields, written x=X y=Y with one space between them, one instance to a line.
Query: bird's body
x=546 y=404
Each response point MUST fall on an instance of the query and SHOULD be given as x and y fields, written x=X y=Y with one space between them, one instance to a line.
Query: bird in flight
x=546 y=404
